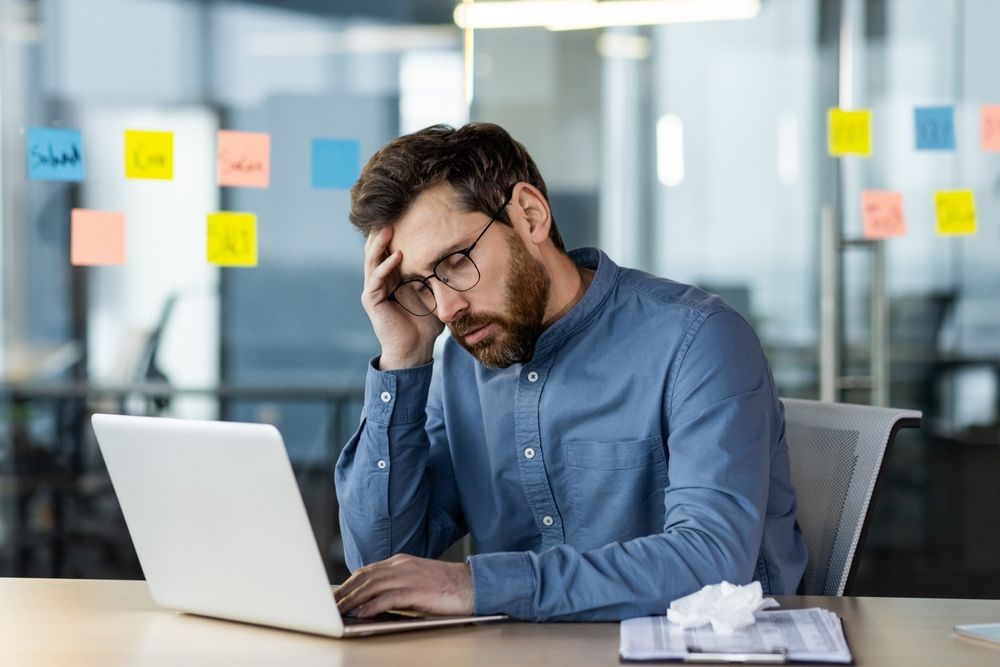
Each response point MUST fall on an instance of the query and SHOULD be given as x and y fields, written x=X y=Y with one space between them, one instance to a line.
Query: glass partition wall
x=695 y=151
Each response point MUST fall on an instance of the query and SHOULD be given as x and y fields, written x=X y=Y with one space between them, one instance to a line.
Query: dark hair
x=480 y=161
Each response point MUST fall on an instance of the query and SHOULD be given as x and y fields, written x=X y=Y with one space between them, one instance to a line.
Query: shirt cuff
x=503 y=583
x=399 y=396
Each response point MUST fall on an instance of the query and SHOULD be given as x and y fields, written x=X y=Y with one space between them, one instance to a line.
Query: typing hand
x=408 y=582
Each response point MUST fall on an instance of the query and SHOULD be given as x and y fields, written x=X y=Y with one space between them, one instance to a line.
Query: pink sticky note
x=243 y=159
x=96 y=237
x=990 y=131
x=882 y=212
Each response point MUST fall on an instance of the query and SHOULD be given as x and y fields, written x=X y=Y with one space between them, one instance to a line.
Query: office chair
x=837 y=453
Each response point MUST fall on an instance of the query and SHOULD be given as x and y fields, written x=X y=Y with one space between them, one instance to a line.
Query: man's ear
x=531 y=215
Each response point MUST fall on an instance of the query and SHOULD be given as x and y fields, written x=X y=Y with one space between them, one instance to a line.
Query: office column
x=623 y=216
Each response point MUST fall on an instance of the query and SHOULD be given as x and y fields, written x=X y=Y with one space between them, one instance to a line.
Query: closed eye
x=454 y=260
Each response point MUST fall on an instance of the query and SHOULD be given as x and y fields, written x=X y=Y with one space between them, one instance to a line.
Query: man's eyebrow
x=453 y=249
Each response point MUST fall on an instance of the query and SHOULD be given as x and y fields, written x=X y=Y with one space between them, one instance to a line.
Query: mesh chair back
x=837 y=452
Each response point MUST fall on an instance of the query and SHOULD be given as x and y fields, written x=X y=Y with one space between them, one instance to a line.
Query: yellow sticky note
x=232 y=239
x=149 y=155
x=882 y=214
x=955 y=211
x=849 y=132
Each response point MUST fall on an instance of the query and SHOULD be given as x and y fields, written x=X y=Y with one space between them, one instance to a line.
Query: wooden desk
x=55 y=622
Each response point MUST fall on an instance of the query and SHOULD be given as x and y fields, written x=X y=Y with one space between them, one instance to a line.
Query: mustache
x=467 y=323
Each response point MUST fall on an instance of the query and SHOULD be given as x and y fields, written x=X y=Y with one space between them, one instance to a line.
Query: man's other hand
x=408 y=582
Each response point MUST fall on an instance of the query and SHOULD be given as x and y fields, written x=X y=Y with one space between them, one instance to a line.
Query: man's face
x=499 y=320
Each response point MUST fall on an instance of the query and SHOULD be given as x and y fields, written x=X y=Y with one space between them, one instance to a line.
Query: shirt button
x=381 y=464
x=529 y=453
x=532 y=376
x=386 y=397
x=547 y=520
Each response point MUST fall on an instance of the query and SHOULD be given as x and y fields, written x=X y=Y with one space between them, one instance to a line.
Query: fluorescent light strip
x=586 y=14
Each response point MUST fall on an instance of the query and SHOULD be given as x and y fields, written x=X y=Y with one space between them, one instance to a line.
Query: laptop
x=220 y=529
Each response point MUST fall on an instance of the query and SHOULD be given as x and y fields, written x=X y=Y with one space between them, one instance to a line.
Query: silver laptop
x=220 y=528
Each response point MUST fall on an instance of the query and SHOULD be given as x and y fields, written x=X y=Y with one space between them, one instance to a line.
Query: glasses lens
x=415 y=297
x=458 y=272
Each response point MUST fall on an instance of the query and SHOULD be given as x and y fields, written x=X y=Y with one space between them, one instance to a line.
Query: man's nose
x=450 y=303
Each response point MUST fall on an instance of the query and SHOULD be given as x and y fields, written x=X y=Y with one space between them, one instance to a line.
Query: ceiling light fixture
x=588 y=14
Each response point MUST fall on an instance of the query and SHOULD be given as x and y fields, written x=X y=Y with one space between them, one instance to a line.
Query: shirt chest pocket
x=624 y=455
x=615 y=489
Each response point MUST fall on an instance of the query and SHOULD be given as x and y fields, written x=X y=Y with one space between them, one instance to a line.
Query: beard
x=516 y=332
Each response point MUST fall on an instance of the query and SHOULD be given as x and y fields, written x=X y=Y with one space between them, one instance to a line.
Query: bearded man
x=610 y=440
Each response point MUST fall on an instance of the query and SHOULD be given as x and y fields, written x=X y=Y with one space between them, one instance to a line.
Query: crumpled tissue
x=726 y=606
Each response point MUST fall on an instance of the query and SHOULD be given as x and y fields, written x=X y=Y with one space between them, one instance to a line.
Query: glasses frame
x=466 y=252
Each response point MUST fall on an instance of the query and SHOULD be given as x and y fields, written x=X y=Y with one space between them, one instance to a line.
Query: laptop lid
x=217 y=520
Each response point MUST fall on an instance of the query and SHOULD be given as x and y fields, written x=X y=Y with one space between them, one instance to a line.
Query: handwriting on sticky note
x=335 y=163
x=935 y=128
x=990 y=127
x=149 y=155
x=882 y=214
x=849 y=132
x=96 y=237
x=232 y=239
x=55 y=154
x=243 y=159
x=955 y=212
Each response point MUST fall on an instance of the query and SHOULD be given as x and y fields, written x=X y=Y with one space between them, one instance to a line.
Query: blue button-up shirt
x=638 y=456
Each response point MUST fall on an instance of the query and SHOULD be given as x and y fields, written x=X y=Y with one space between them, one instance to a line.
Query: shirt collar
x=593 y=299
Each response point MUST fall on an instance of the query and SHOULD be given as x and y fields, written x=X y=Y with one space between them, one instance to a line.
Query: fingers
x=379 y=266
x=349 y=585
x=359 y=582
x=377 y=283
x=375 y=247
x=408 y=582
x=371 y=588
x=396 y=599
x=374 y=580
x=386 y=267
x=367 y=580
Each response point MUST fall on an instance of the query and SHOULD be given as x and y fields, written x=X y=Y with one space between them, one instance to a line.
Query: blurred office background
x=695 y=150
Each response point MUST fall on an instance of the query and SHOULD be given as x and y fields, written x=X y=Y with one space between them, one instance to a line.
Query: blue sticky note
x=935 y=128
x=335 y=163
x=55 y=154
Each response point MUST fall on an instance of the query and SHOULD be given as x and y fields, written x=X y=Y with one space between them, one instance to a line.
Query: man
x=610 y=440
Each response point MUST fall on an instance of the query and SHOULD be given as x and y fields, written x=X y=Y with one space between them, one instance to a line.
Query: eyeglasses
x=456 y=271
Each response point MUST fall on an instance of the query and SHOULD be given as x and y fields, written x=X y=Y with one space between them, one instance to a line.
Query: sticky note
x=232 y=239
x=96 y=237
x=149 y=155
x=335 y=163
x=990 y=127
x=849 y=132
x=935 y=128
x=55 y=154
x=243 y=159
x=882 y=213
x=955 y=211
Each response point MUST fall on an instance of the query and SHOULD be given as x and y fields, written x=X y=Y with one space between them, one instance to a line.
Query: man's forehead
x=434 y=210
x=432 y=225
